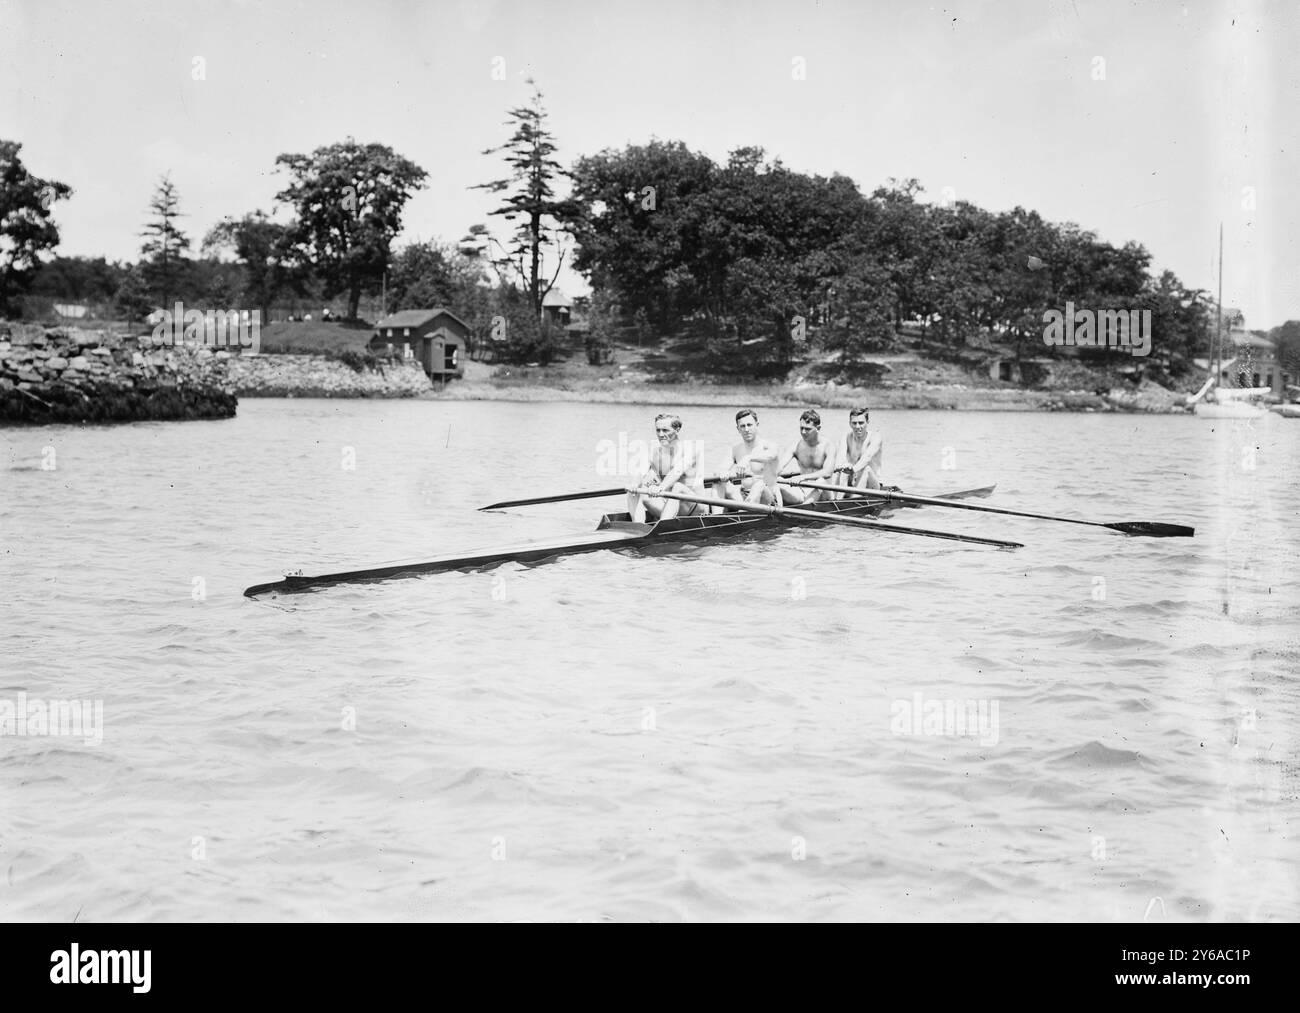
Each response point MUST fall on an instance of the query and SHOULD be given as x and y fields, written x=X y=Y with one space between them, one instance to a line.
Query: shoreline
x=834 y=396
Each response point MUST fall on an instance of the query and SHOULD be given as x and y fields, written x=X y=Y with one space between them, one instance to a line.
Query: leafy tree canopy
x=348 y=199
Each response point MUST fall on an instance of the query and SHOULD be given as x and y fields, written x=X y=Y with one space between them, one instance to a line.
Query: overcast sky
x=1139 y=121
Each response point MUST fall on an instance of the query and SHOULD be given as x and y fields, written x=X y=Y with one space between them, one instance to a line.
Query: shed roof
x=417 y=318
x=1246 y=339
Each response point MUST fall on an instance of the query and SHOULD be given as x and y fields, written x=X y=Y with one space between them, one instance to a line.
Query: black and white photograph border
x=607 y=462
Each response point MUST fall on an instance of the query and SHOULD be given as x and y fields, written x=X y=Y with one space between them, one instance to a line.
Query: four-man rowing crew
x=755 y=471
x=759 y=502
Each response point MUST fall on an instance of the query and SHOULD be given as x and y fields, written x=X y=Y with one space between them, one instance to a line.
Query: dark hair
x=746 y=411
x=677 y=422
x=858 y=411
x=811 y=416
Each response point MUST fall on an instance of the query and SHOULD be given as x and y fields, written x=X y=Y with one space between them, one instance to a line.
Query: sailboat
x=1214 y=401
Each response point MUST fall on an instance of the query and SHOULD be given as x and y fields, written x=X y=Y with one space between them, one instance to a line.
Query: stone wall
x=317 y=376
x=59 y=374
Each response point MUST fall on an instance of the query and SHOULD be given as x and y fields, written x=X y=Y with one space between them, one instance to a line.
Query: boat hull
x=615 y=531
x=1229 y=410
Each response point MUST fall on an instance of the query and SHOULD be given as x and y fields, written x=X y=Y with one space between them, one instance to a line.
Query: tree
x=26 y=229
x=78 y=279
x=164 y=266
x=531 y=201
x=349 y=199
x=132 y=297
x=421 y=277
x=639 y=221
x=262 y=247
x=1182 y=322
x=1286 y=339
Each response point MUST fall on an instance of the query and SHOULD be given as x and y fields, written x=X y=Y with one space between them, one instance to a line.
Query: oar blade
x=561 y=498
x=1153 y=529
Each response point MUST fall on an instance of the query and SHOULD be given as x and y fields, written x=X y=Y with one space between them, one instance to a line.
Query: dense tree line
x=764 y=264
x=761 y=259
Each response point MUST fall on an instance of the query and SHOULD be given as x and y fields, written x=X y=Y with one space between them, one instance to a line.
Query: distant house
x=557 y=308
x=1248 y=359
x=1252 y=362
x=437 y=337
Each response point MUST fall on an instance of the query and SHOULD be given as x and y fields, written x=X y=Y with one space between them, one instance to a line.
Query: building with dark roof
x=436 y=337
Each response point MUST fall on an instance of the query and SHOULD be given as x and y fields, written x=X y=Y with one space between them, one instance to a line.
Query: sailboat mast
x=1217 y=357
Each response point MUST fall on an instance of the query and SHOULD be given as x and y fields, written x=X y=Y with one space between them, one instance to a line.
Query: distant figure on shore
x=325 y=314
x=307 y=318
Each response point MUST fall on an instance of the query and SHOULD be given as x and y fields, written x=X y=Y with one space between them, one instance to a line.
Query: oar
x=1155 y=529
x=829 y=518
x=594 y=494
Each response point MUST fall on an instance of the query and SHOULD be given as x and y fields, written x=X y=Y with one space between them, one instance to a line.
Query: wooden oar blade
x=564 y=497
x=1150 y=529
x=1153 y=529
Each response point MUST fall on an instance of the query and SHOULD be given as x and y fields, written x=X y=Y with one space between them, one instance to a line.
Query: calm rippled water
x=713 y=733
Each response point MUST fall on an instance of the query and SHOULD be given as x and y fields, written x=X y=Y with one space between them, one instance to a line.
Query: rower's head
x=747 y=423
x=810 y=424
x=858 y=420
x=667 y=427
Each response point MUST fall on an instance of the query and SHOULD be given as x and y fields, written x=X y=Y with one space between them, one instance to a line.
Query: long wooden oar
x=828 y=518
x=1154 y=529
x=594 y=494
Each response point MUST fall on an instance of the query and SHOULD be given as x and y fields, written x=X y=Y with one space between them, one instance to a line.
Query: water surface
x=713 y=733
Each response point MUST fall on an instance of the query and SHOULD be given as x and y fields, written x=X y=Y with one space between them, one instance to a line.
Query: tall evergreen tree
x=531 y=201
x=164 y=244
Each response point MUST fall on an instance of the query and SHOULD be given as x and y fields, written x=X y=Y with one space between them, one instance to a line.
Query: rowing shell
x=615 y=531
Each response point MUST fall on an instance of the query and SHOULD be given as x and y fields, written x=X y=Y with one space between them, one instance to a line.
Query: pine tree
x=532 y=198
x=165 y=245
x=132 y=299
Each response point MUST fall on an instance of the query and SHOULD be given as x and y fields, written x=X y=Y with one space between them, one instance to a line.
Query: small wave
x=1094 y=754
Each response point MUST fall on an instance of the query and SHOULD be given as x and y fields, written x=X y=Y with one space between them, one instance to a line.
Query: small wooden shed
x=437 y=337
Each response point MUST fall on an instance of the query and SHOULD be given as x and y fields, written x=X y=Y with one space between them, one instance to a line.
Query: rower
x=751 y=473
x=673 y=467
x=859 y=455
x=813 y=461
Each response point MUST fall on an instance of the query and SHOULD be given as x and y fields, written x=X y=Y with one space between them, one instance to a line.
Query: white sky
x=996 y=100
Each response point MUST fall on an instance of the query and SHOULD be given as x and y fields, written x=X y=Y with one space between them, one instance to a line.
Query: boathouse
x=436 y=337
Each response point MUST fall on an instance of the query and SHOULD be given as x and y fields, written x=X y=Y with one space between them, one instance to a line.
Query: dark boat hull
x=615 y=531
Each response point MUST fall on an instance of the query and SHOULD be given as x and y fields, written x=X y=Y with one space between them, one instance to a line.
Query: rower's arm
x=873 y=447
x=824 y=473
x=678 y=471
x=786 y=460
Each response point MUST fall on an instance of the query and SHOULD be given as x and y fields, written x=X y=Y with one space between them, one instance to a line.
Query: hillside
x=318 y=337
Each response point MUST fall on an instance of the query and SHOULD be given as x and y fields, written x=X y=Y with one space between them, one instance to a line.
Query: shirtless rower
x=814 y=461
x=752 y=470
x=859 y=454
x=674 y=468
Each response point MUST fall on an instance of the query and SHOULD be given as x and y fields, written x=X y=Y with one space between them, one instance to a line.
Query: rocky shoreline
x=70 y=375
x=319 y=376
